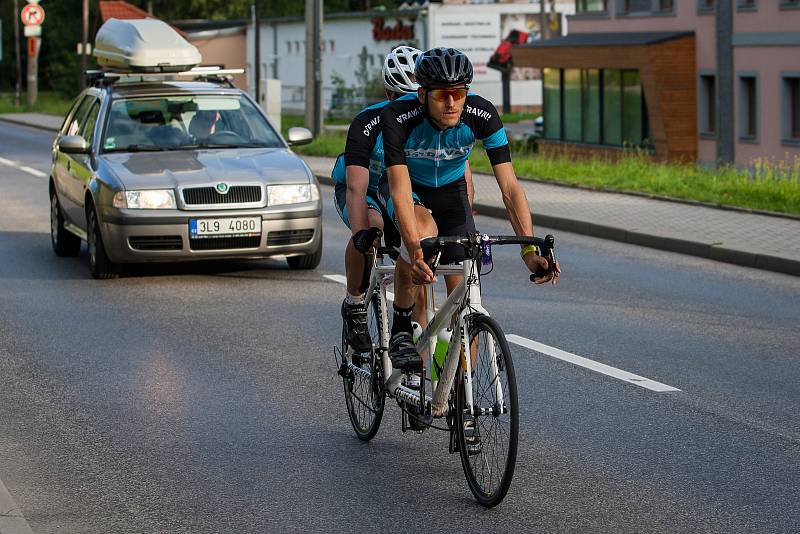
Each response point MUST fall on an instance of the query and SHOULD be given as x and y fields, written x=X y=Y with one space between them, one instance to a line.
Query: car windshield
x=186 y=123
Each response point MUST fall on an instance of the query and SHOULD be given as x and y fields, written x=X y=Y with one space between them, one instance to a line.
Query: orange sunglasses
x=440 y=95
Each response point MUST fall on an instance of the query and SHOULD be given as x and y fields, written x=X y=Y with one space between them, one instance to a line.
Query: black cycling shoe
x=403 y=353
x=356 y=332
x=472 y=436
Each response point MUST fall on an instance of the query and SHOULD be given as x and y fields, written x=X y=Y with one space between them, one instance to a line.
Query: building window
x=791 y=105
x=665 y=6
x=591 y=6
x=705 y=6
x=595 y=106
x=590 y=104
x=790 y=4
x=638 y=6
x=748 y=107
x=746 y=5
x=708 y=105
x=552 y=103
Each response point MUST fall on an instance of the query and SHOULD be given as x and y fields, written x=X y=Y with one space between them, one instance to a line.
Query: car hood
x=158 y=170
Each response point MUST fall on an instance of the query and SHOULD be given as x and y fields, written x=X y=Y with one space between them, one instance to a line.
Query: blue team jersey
x=438 y=157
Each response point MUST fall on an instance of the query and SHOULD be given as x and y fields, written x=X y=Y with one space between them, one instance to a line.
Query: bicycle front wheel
x=487 y=437
x=363 y=391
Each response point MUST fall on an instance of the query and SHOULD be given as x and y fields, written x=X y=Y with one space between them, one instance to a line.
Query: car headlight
x=149 y=199
x=291 y=194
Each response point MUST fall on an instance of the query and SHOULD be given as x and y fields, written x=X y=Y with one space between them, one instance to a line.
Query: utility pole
x=257 y=33
x=85 y=43
x=17 y=53
x=314 y=9
x=725 y=108
x=542 y=20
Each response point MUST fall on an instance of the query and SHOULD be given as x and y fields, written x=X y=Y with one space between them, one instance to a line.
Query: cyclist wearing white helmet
x=356 y=174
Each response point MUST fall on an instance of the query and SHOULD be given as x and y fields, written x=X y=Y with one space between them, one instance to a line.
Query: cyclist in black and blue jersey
x=427 y=140
x=356 y=174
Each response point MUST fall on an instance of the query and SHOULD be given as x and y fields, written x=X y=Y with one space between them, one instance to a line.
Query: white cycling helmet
x=398 y=69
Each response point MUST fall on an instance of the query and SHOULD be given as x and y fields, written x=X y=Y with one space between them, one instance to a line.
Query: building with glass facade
x=678 y=79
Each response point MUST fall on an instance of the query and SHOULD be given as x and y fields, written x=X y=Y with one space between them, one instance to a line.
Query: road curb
x=29 y=125
x=11 y=519
x=681 y=246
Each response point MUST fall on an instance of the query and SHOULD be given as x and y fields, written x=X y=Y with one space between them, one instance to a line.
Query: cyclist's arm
x=400 y=187
x=358 y=148
x=357 y=185
x=519 y=215
x=397 y=121
x=514 y=198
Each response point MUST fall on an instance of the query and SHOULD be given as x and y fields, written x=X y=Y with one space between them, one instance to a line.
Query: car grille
x=237 y=194
x=289 y=237
x=224 y=243
x=156 y=242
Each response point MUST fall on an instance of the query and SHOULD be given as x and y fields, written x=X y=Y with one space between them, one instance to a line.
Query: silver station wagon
x=164 y=171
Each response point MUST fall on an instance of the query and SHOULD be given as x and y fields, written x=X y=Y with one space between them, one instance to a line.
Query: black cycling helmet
x=443 y=67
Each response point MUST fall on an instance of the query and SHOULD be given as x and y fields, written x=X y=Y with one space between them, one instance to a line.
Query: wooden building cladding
x=666 y=66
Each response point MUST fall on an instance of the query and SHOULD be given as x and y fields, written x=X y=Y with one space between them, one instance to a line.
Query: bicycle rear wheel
x=489 y=460
x=363 y=390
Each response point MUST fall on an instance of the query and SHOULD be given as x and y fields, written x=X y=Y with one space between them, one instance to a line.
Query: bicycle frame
x=464 y=300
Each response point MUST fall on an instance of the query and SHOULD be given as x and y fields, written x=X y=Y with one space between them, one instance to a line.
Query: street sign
x=33 y=31
x=32 y=15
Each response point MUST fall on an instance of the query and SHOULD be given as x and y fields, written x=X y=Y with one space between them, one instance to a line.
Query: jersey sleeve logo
x=371 y=125
x=403 y=117
x=480 y=113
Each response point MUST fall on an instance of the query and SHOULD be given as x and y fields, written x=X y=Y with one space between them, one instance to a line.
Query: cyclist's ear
x=421 y=95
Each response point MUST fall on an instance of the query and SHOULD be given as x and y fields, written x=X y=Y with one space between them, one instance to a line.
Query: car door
x=63 y=162
x=79 y=166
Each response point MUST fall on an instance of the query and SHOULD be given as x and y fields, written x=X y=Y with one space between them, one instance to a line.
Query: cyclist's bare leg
x=406 y=292
x=354 y=260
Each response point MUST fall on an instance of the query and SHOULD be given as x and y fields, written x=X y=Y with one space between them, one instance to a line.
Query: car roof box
x=143 y=45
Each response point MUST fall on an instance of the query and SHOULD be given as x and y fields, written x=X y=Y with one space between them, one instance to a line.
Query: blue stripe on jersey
x=495 y=140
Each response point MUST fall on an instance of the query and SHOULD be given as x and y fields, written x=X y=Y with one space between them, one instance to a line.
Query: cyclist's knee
x=426 y=226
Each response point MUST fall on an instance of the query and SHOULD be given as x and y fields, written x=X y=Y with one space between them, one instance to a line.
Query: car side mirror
x=299 y=136
x=73 y=144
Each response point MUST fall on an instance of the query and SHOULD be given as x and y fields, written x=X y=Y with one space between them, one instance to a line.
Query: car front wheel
x=64 y=242
x=309 y=261
x=100 y=265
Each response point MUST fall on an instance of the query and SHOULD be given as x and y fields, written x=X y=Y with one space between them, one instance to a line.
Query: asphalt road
x=203 y=398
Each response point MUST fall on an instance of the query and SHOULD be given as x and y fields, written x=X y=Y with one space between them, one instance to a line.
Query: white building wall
x=477 y=29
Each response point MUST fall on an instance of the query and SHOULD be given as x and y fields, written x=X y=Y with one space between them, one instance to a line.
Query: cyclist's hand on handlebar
x=421 y=272
x=364 y=240
x=540 y=267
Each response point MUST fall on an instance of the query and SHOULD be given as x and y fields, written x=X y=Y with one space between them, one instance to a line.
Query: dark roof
x=608 y=39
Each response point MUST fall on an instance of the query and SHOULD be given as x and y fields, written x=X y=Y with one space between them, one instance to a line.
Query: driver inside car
x=204 y=124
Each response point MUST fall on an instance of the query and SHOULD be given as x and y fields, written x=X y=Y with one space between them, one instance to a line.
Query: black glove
x=363 y=239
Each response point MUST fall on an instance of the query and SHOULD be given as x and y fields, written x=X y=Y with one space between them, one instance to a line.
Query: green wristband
x=528 y=249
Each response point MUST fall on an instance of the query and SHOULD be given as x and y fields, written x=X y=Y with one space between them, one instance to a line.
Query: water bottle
x=440 y=352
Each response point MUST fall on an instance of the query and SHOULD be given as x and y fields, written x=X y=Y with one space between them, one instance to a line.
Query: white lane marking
x=23 y=168
x=340 y=278
x=11 y=519
x=592 y=365
x=336 y=278
x=33 y=171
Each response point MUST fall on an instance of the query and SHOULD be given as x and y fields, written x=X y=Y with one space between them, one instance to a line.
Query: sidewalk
x=753 y=240
x=732 y=236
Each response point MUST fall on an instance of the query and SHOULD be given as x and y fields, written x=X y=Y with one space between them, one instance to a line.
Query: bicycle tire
x=499 y=433
x=364 y=397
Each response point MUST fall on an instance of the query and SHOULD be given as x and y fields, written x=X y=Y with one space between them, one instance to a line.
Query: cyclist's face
x=445 y=105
